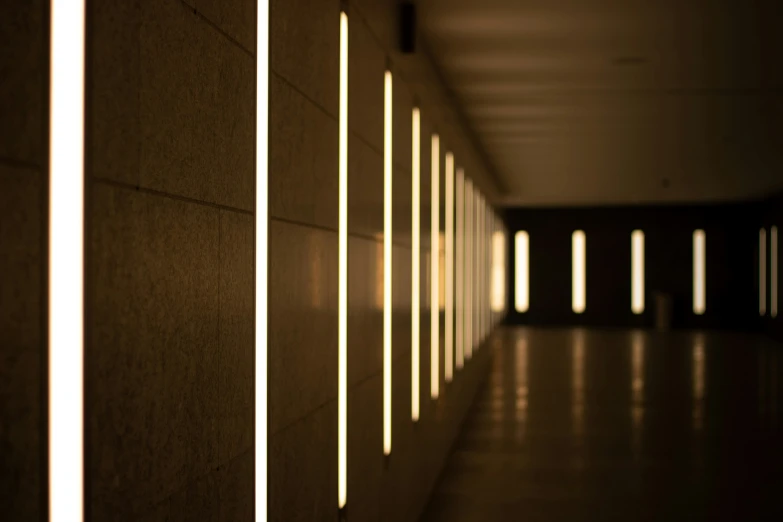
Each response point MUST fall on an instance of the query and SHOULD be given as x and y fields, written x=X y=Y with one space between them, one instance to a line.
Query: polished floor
x=577 y=424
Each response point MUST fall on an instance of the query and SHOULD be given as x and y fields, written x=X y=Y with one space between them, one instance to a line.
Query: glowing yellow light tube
x=469 y=250
x=521 y=272
x=460 y=275
x=762 y=272
x=578 y=248
x=448 y=345
x=773 y=272
x=387 y=262
x=637 y=272
x=342 y=261
x=416 y=265
x=261 y=259
x=66 y=262
x=435 y=270
x=699 y=269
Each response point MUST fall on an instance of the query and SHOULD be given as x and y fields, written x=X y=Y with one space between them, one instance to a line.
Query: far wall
x=731 y=264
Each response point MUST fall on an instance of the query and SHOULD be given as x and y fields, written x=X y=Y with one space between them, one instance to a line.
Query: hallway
x=576 y=424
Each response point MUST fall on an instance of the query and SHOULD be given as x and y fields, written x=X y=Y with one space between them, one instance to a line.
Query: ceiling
x=592 y=102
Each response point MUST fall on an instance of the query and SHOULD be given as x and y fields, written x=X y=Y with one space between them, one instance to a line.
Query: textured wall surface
x=170 y=232
x=303 y=268
x=24 y=65
x=169 y=305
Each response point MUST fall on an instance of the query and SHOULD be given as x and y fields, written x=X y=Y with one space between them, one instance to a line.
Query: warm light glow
x=342 y=260
x=460 y=275
x=521 y=272
x=578 y=249
x=578 y=383
x=435 y=260
x=699 y=364
x=498 y=275
x=699 y=255
x=261 y=258
x=387 y=262
x=66 y=262
x=762 y=272
x=416 y=265
x=475 y=273
x=469 y=250
x=773 y=272
x=637 y=389
x=637 y=271
x=448 y=345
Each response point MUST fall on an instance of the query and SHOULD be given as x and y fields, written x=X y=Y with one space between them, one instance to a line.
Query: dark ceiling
x=609 y=101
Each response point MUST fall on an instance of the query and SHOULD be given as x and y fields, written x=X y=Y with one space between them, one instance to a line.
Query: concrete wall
x=24 y=66
x=303 y=268
x=170 y=174
x=170 y=233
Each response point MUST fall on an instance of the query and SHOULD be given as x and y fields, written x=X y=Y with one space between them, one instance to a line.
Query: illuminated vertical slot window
x=66 y=262
x=469 y=249
x=699 y=269
x=762 y=272
x=448 y=348
x=459 y=359
x=435 y=269
x=342 y=276
x=521 y=271
x=415 y=264
x=475 y=271
x=387 y=261
x=773 y=271
x=261 y=258
x=637 y=272
x=578 y=271
x=498 y=292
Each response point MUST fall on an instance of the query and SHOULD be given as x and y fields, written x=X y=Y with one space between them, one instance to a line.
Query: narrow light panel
x=66 y=262
x=342 y=261
x=469 y=249
x=416 y=265
x=773 y=272
x=762 y=272
x=578 y=248
x=699 y=284
x=448 y=348
x=261 y=259
x=387 y=262
x=637 y=272
x=460 y=275
x=521 y=271
x=497 y=271
x=435 y=260
x=475 y=270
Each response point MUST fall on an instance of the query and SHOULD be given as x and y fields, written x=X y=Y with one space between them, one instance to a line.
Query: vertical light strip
x=762 y=272
x=476 y=270
x=66 y=262
x=435 y=270
x=416 y=264
x=469 y=249
x=773 y=272
x=578 y=247
x=460 y=275
x=637 y=272
x=261 y=259
x=699 y=255
x=342 y=276
x=387 y=262
x=480 y=279
x=448 y=348
x=521 y=271
x=497 y=272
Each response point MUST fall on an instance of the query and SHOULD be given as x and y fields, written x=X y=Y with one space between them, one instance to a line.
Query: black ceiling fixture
x=407 y=27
